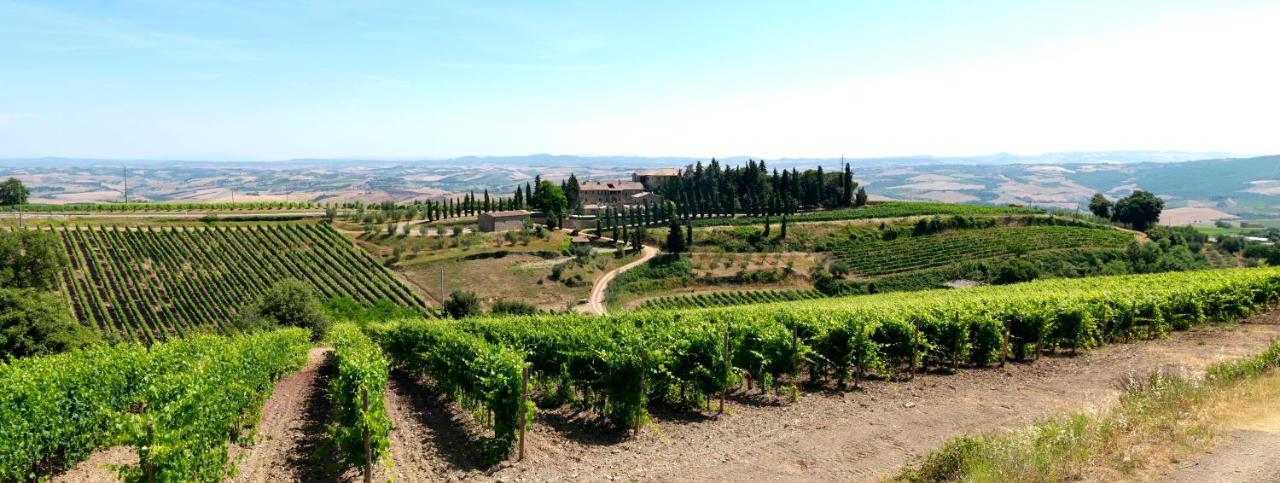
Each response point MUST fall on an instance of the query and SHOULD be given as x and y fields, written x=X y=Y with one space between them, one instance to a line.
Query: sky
x=269 y=80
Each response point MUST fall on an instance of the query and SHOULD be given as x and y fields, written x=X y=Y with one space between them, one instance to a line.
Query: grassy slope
x=1157 y=422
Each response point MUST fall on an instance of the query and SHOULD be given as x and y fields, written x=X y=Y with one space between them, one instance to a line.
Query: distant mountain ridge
x=563 y=160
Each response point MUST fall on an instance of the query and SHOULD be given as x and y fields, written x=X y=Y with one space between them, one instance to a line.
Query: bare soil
x=831 y=435
x=1248 y=450
x=97 y=467
x=430 y=440
x=290 y=443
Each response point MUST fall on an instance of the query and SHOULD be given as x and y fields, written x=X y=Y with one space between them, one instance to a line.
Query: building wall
x=489 y=224
x=652 y=182
x=615 y=197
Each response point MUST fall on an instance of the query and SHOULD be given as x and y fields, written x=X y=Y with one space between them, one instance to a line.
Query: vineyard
x=167 y=207
x=615 y=366
x=722 y=299
x=879 y=209
x=177 y=404
x=877 y=256
x=151 y=284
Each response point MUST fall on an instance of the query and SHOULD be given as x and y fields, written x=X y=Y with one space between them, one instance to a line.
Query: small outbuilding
x=503 y=220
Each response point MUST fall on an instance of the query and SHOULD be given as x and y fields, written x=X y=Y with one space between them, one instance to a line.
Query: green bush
x=37 y=323
x=290 y=303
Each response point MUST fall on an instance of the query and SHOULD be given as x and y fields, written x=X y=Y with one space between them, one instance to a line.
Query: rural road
x=595 y=304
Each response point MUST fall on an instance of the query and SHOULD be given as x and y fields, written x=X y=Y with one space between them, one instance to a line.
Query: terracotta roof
x=610 y=186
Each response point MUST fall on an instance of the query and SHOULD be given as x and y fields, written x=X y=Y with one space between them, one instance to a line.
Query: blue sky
x=276 y=80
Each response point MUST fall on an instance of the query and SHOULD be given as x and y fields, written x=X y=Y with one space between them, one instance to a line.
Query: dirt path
x=868 y=434
x=1249 y=451
x=290 y=437
x=595 y=304
x=427 y=443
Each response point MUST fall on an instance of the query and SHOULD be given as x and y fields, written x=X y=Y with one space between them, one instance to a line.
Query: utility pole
x=442 y=288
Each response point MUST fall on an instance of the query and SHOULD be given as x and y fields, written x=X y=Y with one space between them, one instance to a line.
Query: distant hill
x=1217 y=187
x=1124 y=157
x=1245 y=187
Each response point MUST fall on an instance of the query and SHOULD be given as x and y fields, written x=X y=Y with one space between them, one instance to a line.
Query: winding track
x=595 y=304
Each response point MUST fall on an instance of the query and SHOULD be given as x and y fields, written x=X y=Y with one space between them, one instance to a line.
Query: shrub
x=35 y=323
x=289 y=302
x=462 y=304
x=513 y=307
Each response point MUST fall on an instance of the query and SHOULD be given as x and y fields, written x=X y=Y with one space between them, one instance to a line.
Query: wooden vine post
x=1005 y=345
x=148 y=463
x=524 y=398
x=724 y=359
x=368 y=454
x=795 y=367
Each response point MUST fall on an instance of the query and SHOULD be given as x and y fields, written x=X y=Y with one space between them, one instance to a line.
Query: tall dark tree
x=550 y=200
x=1140 y=210
x=13 y=192
x=861 y=198
x=822 y=188
x=30 y=259
x=675 y=238
x=1099 y=205
x=848 y=186
x=572 y=193
x=519 y=198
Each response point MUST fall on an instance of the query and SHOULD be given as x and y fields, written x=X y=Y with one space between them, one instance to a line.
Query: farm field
x=471 y=370
x=539 y=270
x=737 y=297
x=151 y=283
x=882 y=257
x=868 y=256
x=877 y=209
x=447 y=397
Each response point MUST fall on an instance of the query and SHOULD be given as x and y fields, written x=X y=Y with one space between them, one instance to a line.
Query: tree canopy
x=293 y=303
x=550 y=199
x=675 y=238
x=1140 y=210
x=30 y=259
x=1099 y=205
x=462 y=304
x=13 y=192
x=754 y=190
x=35 y=323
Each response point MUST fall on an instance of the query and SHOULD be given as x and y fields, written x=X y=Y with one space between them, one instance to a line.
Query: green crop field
x=151 y=284
x=880 y=209
x=871 y=257
x=168 y=207
x=721 y=299
x=688 y=357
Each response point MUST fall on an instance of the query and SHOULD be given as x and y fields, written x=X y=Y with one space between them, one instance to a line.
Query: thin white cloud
x=9 y=119
x=51 y=30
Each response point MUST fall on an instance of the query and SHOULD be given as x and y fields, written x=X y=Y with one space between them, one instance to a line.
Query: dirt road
x=595 y=304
